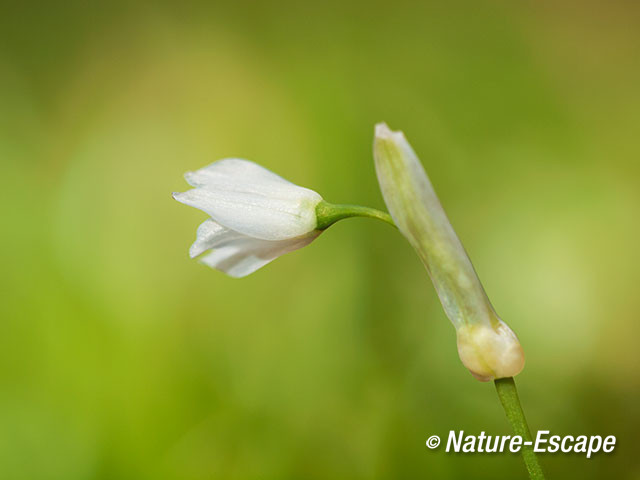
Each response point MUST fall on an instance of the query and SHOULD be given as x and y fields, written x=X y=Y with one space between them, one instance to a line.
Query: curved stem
x=329 y=213
x=508 y=394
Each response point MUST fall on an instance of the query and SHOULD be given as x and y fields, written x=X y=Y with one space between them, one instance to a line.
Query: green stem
x=329 y=213
x=508 y=394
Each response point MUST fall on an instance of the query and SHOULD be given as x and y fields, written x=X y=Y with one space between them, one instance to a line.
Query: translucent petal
x=209 y=235
x=242 y=256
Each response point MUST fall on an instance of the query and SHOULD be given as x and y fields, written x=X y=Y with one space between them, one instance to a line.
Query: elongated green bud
x=486 y=345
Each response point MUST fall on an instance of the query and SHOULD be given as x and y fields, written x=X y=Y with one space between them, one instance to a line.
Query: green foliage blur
x=120 y=358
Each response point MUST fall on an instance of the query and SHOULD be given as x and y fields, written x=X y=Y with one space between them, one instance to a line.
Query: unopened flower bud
x=486 y=345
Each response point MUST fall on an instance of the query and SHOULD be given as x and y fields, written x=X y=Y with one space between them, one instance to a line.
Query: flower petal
x=244 y=255
x=233 y=170
x=209 y=235
x=243 y=196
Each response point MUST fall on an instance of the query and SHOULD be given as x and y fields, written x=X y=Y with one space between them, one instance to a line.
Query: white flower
x=256 y=215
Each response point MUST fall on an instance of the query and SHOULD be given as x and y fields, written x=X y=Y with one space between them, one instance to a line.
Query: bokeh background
x=120 y=358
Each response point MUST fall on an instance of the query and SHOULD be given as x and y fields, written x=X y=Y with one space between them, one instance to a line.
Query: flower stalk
x=508 y=394
x=329 y=213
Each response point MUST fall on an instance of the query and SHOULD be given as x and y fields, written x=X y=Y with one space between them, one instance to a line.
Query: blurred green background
x=120 y=358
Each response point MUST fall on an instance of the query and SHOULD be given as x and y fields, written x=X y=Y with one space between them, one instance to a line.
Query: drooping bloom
x=486 y=345
x=256 y=215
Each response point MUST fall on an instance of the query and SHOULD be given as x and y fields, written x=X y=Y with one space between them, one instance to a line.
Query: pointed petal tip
x=190 y=177
x=382 y=129
x=383 y=132
x=178 y=196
